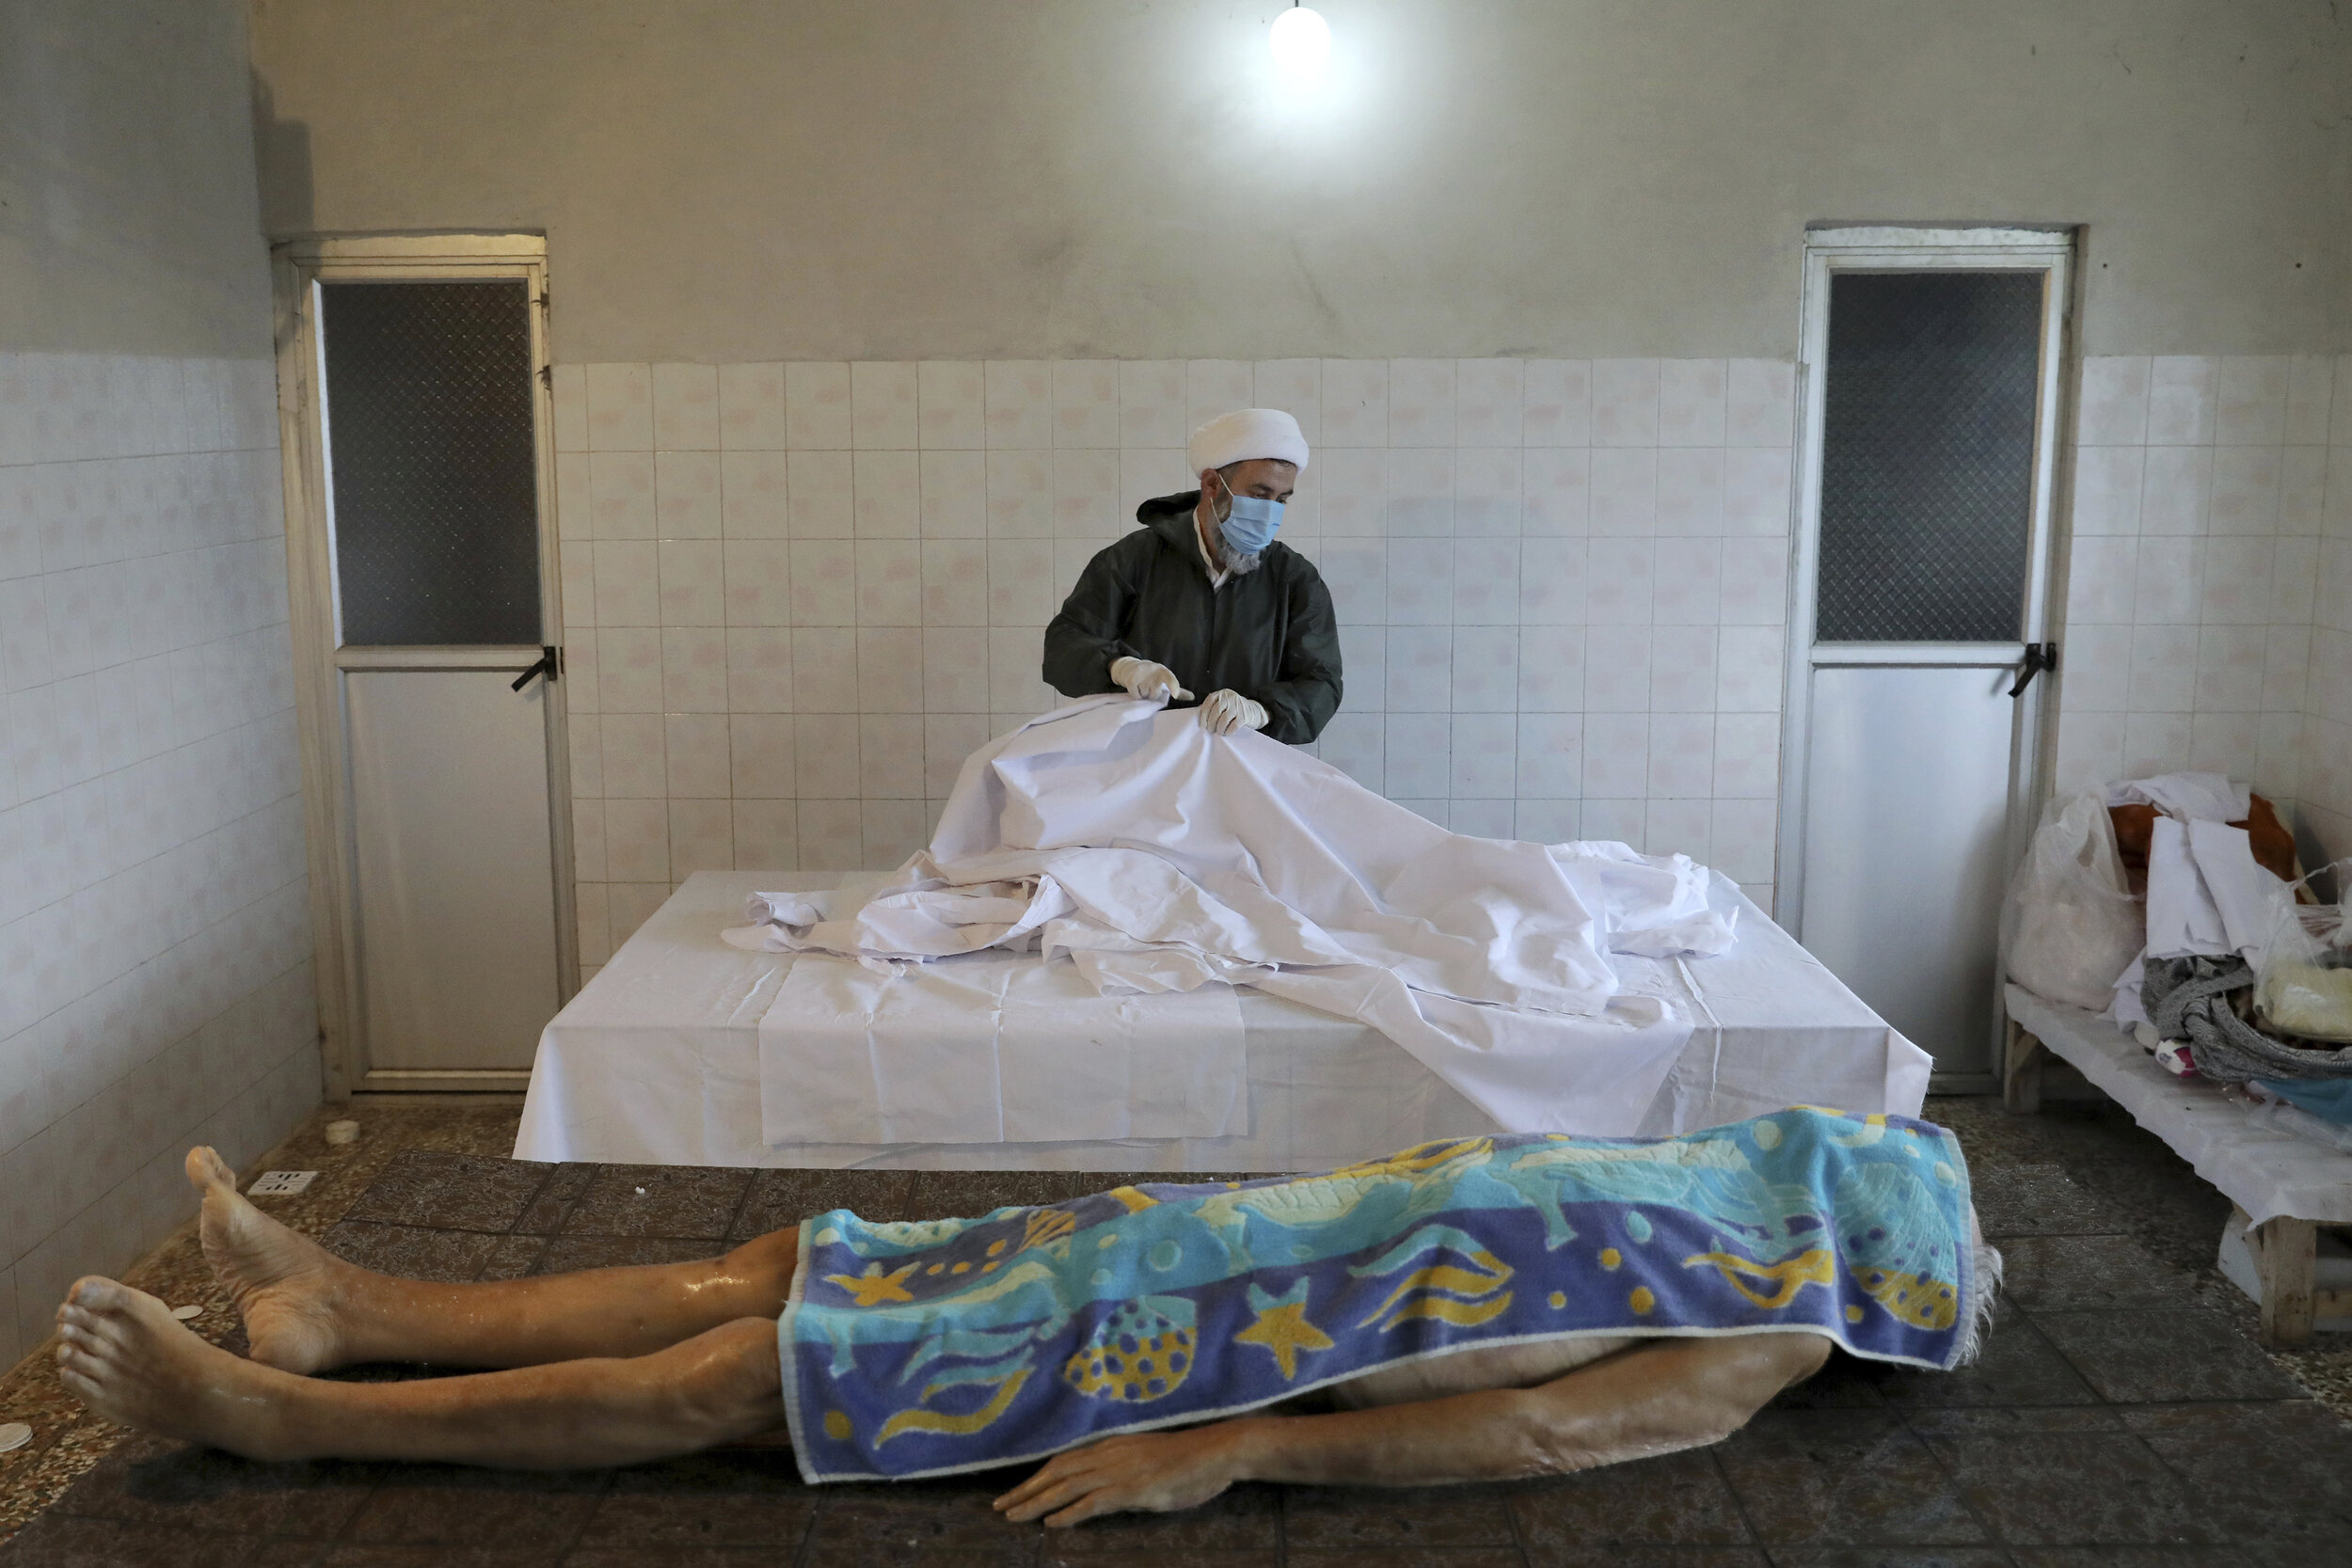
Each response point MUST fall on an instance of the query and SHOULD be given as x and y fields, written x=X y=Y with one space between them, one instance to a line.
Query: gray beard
x=1233 y=563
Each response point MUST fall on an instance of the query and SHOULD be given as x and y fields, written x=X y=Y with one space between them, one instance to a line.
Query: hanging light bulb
x=1302 y=41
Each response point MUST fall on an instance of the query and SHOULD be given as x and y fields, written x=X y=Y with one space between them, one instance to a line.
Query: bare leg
x=307 y=1311
x=124 y=1356
x=1658 y=1397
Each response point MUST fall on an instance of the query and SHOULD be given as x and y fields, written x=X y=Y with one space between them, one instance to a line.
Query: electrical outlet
x=281 y=1183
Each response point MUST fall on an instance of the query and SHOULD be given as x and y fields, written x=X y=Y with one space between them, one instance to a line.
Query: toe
x=206 y=1168
x=98 y=1295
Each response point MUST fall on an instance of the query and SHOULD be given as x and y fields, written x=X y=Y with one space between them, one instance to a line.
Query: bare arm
x=1666 y=1395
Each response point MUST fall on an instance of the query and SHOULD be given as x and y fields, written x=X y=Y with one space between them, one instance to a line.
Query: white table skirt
x=657 y=1061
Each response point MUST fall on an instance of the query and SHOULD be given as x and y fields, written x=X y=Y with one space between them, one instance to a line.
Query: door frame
x=1829 y=249
x=320 y=662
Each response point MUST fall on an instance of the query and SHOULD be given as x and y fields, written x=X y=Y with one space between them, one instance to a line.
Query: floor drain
x=281 y=1183
x=13 y=1436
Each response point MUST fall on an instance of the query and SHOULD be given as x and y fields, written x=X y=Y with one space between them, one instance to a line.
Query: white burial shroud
x=1159 y=858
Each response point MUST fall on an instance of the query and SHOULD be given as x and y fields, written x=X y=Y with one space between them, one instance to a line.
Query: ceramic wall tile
x=884 y=404
x=150 y=824
x=751 y=408
x=1153 y=403
x=2114 y=410
x=1624 y=403
x=1215 y=387
x=1020 y=404
x=753 y=494
x=1691 y=403
x=816 y=405
x=822 y=500
x=1420 y=403
x=1355 y=403
x=951 y=399
x=1086 y=402
x=684 y=408
x=2181 y=390
x=2250 y=400
x=620 y=408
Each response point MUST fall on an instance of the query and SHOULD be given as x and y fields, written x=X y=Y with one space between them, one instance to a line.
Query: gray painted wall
x=747 y=180
x=127 y=208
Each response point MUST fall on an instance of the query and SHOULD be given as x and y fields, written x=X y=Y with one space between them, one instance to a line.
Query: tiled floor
x=2120 y=1416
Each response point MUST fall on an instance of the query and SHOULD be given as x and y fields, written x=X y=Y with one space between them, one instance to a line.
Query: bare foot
x=124 y=1356
x=283 y=1284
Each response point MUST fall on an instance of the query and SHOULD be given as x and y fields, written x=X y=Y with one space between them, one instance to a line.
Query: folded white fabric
x=2208 y=797
x=1652 y=906
x=2248 y=898
x=2125 y=1009
x=1160 y=858
x=2182 y=918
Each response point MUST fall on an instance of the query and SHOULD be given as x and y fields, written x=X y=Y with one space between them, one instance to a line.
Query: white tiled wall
x=797 y=595
x=155 y=983
x=2326 y=793
x=2201 y=552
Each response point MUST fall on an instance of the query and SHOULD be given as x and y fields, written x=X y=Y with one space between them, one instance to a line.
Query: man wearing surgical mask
x=1204 y=598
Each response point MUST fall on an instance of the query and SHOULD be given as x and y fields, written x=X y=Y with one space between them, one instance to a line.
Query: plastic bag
x=2303 y=975
x=2071 y=925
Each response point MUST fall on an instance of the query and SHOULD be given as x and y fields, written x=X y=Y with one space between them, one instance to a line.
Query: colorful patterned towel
x=932 y=1346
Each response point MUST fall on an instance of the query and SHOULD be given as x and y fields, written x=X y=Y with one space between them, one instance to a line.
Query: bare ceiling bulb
x=1301 y=41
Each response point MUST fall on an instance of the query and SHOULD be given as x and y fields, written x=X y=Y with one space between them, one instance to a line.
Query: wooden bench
x=2284 y=1186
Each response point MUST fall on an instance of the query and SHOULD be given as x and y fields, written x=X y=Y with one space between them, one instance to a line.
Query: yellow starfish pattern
x=873 y=1286
x=1281 y=1326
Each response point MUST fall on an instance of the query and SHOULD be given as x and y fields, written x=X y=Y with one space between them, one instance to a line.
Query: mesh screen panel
x=1926 y=455
x=435 y=473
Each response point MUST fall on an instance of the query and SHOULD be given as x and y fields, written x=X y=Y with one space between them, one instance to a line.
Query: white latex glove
x=1144 y=679
x=1227 y=710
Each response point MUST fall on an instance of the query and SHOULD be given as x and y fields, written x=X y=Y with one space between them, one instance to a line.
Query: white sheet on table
x=657 y=1061
x=1484 y=958
x=993 y=1048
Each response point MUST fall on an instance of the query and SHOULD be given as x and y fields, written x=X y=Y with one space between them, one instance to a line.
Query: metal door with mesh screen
x=1929 y=375
x=1933 y=381
x=428 y=641
x=432 y=462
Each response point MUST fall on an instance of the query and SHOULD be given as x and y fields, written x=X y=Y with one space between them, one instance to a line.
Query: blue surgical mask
x=1252 y=524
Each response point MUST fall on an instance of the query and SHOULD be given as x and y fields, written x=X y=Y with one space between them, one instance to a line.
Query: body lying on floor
x=1471 y=1309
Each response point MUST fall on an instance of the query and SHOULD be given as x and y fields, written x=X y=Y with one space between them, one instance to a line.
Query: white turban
x=1245 y=433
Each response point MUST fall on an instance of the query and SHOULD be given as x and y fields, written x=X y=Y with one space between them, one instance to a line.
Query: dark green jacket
x=1269 y=634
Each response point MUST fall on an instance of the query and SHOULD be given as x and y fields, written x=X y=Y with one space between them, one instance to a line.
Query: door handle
x=2039 y=657
x=550 y=665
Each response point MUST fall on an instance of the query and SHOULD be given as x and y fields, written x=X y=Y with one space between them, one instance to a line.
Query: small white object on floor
x=14 y=1435
x=341 y=1132
x=281 y=1183
x=184 y=1313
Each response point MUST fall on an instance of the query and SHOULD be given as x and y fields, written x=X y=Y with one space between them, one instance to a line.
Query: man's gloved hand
x=1146 y=680
x=1228 y=710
